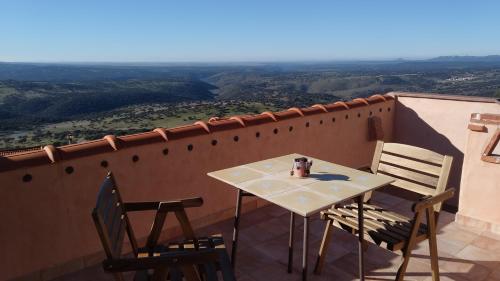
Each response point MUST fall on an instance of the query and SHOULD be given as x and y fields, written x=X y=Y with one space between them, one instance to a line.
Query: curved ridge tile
x=321 y=106
x=239 y=119
x=112 y=140
x=296 y=109
x=51 y=152
x=258 y=119
x=356 y=103
x=287 y=114
x=337 y=106
x=203 y=125
x=312 y=110
x=270 y=114
x=376 y=99
x=342 y=103
x=363 y=100
x=162 y=132
x=213 y=119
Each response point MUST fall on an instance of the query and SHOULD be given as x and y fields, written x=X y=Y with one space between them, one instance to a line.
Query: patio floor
x=464 y=254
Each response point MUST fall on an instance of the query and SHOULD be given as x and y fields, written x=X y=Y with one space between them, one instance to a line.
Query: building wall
x=47 y=196
x=480 y=190
x=439 y=123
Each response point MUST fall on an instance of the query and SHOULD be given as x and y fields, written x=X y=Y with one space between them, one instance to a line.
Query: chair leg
x=409 y=247
x=402 y=268
x=320 y=260
x=431 y=232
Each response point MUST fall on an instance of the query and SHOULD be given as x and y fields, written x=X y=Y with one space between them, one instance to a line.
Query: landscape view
x=58 y=104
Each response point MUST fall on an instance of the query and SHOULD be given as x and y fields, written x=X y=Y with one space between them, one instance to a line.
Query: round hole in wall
x=290 y=128
x=165 y=151
x=389 y=109
x=236 y=138
x=380 y=110
x=27 y=178
x=135 y=158
x=104 y=163
x=257 y=134
x=69 y=170
x=190 y=147
x=275 y=131
x=307 y=124
x=214 y=142
x=371 y=113
x=359 y=115
x=333 y=119
x=321 y=122
x=347 y=116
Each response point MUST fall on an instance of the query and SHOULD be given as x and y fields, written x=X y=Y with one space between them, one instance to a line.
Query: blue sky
x=253 y=30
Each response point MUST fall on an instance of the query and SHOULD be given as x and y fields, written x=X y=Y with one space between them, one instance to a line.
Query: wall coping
x=444 y=97
x=110 y=143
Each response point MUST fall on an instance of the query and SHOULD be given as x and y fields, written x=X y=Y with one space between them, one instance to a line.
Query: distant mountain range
x=491 y=58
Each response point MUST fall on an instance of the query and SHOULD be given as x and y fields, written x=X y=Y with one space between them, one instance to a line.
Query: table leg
x=305 y=248
x=236 y=227
x=361 y=232
x=290 y=242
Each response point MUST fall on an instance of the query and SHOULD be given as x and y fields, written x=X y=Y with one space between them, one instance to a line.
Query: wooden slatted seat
x=386 y=228
x=193 y=259
x=414 y=169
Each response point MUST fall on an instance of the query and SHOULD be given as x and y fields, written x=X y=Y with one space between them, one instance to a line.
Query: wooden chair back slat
x=110 y=218
x=414 y=187
x=408 y=151
x=408 y=175
x=415 y=169
x=411 y=164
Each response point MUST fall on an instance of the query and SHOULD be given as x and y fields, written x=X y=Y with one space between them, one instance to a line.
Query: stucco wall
x=480 y=190
x=46 y=224
x=439 y=123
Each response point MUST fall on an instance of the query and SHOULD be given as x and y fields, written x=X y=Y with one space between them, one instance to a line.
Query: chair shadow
x=477 y=268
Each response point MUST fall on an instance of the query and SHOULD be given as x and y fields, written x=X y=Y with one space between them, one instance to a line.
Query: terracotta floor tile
x=494 y=275
x=464 y=253
x=487 y=243
x=487 y=258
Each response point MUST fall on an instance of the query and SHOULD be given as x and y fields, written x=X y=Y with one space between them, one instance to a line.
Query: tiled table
x=327 y=185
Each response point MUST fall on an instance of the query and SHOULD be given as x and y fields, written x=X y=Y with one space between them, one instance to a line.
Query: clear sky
x=251 y=30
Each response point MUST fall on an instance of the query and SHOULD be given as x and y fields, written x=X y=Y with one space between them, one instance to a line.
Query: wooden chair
x=193 y=259
x=415 y=169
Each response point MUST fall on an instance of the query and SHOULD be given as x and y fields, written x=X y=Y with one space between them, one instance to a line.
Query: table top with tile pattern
x=326 y=185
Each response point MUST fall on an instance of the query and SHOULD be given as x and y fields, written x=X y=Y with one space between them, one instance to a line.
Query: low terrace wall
x=439 y=123
x=47 y=196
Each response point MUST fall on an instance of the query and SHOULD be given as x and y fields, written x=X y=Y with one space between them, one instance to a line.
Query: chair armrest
x=163 y=206
x=167 y=259
x=431 y=201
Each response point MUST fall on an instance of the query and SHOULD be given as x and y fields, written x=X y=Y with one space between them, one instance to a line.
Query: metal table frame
x=305 y=241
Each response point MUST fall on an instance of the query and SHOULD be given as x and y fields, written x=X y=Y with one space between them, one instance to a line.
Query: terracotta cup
x=301 y=167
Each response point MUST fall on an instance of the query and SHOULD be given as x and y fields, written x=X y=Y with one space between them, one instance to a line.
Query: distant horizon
x=236 y=62
x=159 y=31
